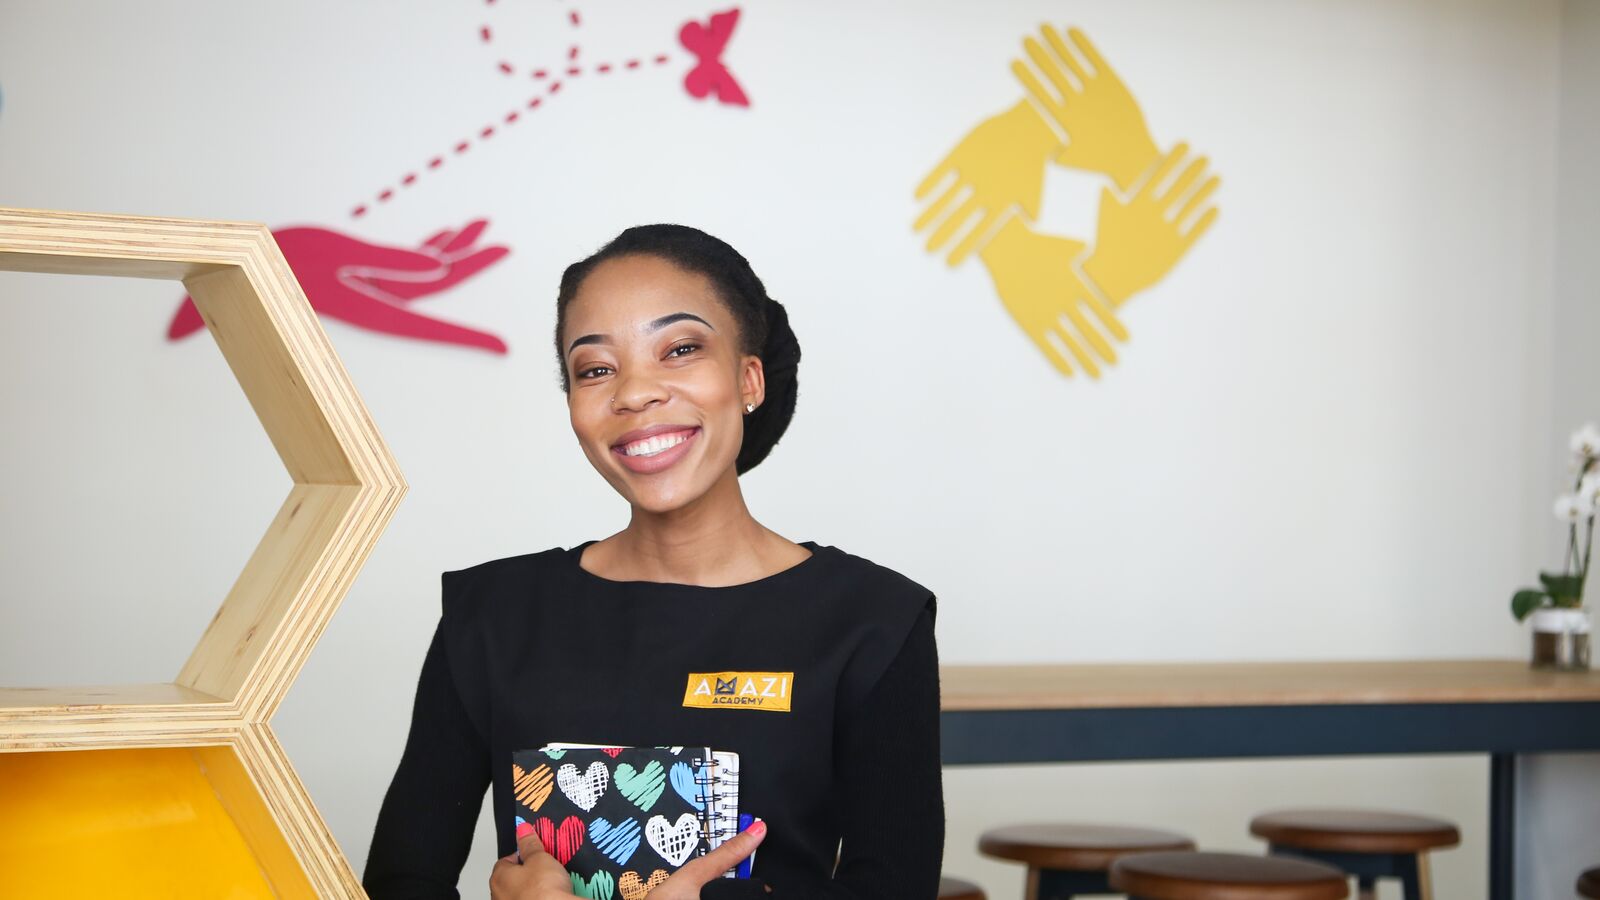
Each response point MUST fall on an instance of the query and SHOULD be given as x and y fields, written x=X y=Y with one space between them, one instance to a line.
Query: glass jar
x=1561 y=638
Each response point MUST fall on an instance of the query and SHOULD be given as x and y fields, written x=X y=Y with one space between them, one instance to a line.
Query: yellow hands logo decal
x=984 y=197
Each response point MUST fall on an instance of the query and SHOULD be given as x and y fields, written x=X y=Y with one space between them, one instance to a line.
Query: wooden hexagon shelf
x=189 y=777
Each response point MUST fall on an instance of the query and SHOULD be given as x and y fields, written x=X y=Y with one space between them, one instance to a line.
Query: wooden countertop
x=976 y=687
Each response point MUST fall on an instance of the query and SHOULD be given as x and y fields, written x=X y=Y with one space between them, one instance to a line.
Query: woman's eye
x=594 y=371
x=688 y=348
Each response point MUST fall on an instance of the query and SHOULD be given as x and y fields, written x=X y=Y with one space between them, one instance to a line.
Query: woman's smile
x=646 y=451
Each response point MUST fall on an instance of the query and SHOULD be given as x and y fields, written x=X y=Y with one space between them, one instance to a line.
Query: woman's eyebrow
x=655 y=325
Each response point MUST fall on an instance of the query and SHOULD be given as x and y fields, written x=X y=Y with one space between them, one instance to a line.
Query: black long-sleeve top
x=534 y=649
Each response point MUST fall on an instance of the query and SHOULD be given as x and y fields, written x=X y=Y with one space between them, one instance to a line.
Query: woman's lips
x=656 y=452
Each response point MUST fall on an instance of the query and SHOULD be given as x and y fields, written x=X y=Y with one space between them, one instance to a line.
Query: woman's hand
x=538 y=877
x=685 y=883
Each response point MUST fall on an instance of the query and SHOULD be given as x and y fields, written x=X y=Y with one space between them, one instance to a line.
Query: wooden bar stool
x=1065 y=859
x=1589 y=883
x=1226 y=876
x=1366 y=844
x=956 y=889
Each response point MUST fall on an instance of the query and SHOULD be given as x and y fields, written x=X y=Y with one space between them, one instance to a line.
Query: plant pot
x=1560 y=639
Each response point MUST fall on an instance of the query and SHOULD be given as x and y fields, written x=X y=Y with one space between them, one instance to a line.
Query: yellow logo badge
x=768 y=691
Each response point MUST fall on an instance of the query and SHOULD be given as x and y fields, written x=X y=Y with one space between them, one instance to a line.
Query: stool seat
x=1589 y=883
x=957 y=889
x=1354 y=831
x=1075 y=847
x=1226 y=876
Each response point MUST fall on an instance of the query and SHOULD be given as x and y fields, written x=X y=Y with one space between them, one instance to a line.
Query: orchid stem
x=1588 y=547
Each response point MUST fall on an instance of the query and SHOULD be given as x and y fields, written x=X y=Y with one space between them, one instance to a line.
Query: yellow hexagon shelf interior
x=181 y=789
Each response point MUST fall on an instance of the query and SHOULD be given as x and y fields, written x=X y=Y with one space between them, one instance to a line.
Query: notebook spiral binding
x=705 y=775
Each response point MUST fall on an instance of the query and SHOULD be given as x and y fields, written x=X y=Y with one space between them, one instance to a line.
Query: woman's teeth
x=650 y=446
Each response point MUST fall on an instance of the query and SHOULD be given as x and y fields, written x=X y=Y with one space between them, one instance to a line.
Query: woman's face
x=657 y=385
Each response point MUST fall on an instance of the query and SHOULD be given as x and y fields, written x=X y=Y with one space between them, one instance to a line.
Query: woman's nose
x=638 y=391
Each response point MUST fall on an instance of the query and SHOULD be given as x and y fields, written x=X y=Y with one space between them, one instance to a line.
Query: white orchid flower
x=1573 y=508
x=1585 y=442
x=1589 y=490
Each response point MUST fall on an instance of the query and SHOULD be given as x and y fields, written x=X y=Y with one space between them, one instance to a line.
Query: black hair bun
x=780 y=363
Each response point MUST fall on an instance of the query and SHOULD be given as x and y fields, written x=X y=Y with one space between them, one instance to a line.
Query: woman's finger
x=504 y=877
x=732 y=852
x=529 y=846
x=530 y=872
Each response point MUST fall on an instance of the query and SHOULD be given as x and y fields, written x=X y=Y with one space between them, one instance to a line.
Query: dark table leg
x=1502 y=825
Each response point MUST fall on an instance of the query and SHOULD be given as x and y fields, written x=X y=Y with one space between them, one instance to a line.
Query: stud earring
x=749 y=408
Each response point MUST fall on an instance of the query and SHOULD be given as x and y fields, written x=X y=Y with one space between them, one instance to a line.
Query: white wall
x=1330 y=437
x=1558 y=822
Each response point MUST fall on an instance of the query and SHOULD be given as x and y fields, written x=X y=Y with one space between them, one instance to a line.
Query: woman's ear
x=752 y=381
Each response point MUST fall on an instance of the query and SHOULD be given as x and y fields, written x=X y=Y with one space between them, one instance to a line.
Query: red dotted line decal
x=550 y=79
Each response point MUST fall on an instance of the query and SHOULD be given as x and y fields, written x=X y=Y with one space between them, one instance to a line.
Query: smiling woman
x=680 y=262
x=680 y=375
x=651 y=325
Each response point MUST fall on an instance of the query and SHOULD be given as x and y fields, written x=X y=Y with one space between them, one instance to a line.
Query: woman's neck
x=712 y=541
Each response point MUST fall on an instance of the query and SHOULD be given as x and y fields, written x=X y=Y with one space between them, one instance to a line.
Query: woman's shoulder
x=877 y=604
x=873 y=578
x=881 y=609
x=509 y=567
x=484 y=587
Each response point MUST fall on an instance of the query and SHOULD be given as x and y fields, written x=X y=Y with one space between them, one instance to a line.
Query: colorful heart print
x=553 y=754
x=612 y=752
x=683 y=782
x=642 y=786
x=617 y=841
x=583 y=790
x=674 y=842
x=600 y=886
x=561 y=842
x=634 y=888
x=532 y=788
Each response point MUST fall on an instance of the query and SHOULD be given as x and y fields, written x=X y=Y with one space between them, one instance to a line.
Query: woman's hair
x=763 y=324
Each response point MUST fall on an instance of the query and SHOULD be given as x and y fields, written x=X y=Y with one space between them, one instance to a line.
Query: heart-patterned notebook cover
x=620 y=819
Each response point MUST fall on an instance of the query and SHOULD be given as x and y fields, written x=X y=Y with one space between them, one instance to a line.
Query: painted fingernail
x=523 y=830
x=758 y=828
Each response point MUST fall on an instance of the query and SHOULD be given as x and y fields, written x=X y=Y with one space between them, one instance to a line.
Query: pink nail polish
x=758 y=828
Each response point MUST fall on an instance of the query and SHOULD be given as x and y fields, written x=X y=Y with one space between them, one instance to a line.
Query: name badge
x=768 y=691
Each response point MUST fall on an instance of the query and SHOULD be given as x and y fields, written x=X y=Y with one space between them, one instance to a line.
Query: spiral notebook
x=621 y=819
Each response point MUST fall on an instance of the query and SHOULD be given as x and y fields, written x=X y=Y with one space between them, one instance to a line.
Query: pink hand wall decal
x=369 y=285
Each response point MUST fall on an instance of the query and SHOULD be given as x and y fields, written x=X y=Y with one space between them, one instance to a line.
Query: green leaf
x=1526 y=601
x=1561 y=587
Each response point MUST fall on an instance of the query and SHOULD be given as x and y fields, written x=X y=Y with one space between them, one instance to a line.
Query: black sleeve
x=425 y=826
x=890 y=790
